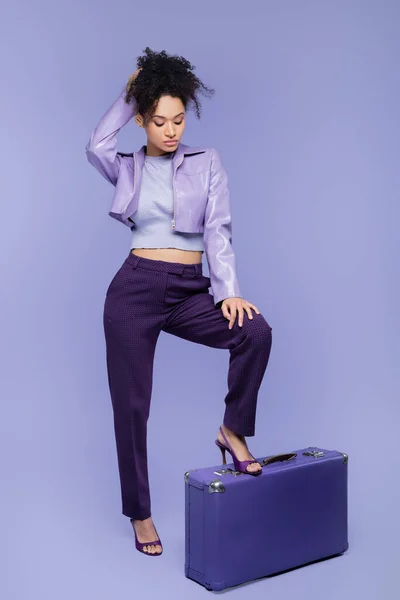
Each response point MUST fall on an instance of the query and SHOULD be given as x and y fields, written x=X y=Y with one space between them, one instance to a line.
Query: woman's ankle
x=136 y=520
x=232 y=433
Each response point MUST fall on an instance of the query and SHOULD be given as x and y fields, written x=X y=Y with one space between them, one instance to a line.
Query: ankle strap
x=223 y=435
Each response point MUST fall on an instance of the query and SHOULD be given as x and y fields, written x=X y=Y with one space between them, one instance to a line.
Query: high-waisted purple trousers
x=146 y=297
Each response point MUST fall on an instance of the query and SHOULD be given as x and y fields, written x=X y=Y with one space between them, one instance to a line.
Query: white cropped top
x=152 y=226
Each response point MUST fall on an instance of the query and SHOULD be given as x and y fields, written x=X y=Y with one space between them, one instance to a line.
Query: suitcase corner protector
x=186 y=476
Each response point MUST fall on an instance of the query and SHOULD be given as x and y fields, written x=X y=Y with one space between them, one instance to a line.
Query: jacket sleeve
x=101 y=148
x=218 y=234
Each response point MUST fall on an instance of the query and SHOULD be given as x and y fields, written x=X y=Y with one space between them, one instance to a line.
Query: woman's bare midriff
x=170 y=254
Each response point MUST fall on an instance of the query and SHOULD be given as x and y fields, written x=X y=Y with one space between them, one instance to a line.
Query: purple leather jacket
x=200 y=187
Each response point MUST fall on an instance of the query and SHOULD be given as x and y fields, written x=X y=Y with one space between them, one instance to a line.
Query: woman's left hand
x=236 y=306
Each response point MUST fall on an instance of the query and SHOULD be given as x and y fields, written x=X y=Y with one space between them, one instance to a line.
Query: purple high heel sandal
x=240 y=465
x=140 y=545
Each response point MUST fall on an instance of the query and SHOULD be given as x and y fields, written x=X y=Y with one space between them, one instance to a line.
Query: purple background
x=305 y=117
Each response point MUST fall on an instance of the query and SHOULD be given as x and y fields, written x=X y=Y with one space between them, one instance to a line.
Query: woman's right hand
x=132 y=79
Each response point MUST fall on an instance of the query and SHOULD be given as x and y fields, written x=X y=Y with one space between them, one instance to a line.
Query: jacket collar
x=182 y=149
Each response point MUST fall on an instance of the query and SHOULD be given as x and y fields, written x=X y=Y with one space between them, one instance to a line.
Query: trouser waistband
x=164 y=266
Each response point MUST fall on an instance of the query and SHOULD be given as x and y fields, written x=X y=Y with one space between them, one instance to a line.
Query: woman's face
x=166 y=125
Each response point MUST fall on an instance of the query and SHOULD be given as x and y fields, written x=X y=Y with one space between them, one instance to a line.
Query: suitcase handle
x=278 y=458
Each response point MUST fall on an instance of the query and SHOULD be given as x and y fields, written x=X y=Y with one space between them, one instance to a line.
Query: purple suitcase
x=239 y=527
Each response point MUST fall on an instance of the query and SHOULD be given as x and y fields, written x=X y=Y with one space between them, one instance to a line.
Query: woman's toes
x=254 y=467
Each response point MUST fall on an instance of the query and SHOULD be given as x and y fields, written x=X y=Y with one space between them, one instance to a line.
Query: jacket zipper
x=134 y=185
x=173 y=190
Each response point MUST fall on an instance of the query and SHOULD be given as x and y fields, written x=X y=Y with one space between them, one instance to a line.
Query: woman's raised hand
x=132 y=79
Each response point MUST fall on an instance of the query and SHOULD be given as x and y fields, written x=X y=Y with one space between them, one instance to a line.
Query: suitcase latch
x=314 y=453
x=228 y=471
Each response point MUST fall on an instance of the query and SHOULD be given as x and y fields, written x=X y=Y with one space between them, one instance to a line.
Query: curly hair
x=162 y=74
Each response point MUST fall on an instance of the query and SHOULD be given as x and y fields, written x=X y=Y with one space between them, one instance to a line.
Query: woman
x=175 y=199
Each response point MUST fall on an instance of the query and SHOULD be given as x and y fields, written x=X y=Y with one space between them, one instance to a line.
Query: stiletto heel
x=140 y=545
x=223 y=450
x=240 y=465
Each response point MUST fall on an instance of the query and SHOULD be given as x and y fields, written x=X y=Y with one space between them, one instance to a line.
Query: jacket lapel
x=182 y=149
